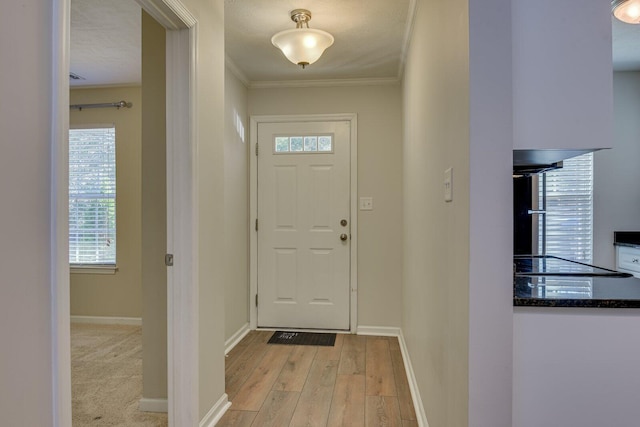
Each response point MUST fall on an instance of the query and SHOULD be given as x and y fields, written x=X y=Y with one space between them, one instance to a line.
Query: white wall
x=576 y=367
x=616 y=196
x=26 y=367
x=490 y=213
x=562 y=74
x=379 y=176
x=236 y=199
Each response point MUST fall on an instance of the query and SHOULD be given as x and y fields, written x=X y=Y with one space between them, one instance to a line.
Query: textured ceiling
x=369 y=37
x=105 y=42
x=369 y=40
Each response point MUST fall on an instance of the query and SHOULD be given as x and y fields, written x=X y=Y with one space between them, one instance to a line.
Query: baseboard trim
x=383 y=331
x=236 y=338
x=216 y=412
x=413 y=383
x=107 y=320
x=153 y=405
x=388 y=331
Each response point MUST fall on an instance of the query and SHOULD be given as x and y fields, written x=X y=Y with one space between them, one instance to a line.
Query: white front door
x=303 y=225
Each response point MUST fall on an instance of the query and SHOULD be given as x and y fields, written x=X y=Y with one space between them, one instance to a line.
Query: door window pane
x=296 y=143
x=282 y=144
x=310 y=143
x=307 y=144
x=324 y=143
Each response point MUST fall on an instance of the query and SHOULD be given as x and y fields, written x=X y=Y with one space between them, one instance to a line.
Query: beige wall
x=379 y=176
x=154 y=211
x=236 y=197
x=436 y=234
x=120 y=294
x=457 y=314
x=209 y=191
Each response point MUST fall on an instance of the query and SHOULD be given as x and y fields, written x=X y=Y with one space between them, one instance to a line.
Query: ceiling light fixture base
x=301 y=17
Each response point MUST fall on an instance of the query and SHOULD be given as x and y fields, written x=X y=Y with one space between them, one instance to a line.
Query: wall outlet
x=366 y=203
x=448 y=185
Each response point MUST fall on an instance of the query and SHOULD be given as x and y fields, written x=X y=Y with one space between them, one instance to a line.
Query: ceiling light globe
x=310 y=41
x=302 y=46
x=626 y=10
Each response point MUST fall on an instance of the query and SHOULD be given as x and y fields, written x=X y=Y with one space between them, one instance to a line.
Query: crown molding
x=236 y=71
x=378 y=81
x=408 y=35
x=171 y=14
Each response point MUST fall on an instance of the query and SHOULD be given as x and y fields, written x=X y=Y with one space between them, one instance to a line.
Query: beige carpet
x=106 y=377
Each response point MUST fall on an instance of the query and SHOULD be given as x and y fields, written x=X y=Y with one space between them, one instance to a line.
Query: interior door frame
x=182 y=280
x=352 y=118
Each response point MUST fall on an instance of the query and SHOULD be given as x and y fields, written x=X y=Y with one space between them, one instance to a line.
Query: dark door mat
x=302 y=338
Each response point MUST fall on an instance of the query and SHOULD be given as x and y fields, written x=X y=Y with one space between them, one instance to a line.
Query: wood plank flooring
x=359 y=382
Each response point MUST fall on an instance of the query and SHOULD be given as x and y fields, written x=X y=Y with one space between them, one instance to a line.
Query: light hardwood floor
x=360 y=381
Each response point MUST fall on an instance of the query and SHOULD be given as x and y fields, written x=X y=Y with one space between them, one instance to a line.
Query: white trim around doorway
x=60 y=280
x=182 y=227
x=253 y=206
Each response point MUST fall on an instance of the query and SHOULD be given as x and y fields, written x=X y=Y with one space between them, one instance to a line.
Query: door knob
x=344 y=237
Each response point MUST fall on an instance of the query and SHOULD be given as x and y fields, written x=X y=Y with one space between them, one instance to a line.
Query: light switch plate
x=448 y=185
x=366 y=203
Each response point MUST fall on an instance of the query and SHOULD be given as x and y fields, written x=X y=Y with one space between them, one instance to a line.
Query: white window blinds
x=569 y=207
x=92 y=196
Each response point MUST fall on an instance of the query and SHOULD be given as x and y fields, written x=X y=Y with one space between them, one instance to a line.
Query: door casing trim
x=352 y=118
x=182 y=229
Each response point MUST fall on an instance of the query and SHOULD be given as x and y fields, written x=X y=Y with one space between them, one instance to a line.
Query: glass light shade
x=302 y=46
x=627 y=10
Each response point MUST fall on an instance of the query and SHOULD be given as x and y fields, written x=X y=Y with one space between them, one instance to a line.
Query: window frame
x=103 y=267
x=572 y=187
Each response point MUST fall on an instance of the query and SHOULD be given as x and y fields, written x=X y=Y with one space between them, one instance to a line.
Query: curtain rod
x=118 y=105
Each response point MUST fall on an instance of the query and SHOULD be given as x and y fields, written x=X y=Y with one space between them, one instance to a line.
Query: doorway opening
x=182 y=313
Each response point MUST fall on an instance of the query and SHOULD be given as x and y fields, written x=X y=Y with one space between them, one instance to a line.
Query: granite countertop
x=605 y=292
x=626 y=238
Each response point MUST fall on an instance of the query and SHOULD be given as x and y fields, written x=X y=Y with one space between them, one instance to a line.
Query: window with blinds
x=567 y=196
x=92 y=196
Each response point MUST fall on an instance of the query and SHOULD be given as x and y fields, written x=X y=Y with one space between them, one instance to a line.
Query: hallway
x=360 y=381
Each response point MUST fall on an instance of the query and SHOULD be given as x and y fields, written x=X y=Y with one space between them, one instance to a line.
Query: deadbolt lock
x=343 y=223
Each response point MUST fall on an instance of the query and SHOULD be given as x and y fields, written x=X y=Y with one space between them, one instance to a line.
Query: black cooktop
x=549 y=265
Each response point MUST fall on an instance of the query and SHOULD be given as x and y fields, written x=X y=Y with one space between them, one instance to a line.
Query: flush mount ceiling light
x=302 y=46
x=626 y=10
